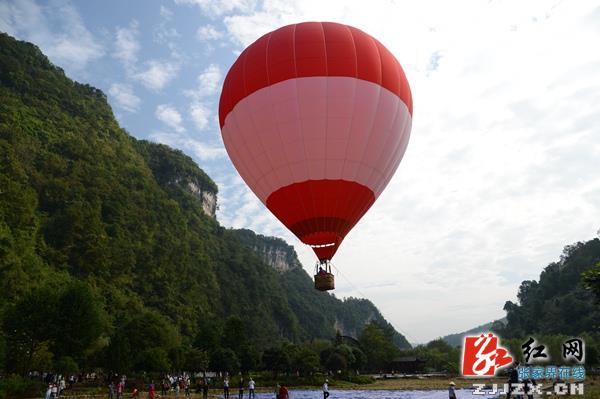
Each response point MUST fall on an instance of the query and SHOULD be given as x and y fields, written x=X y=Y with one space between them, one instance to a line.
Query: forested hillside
x=560 y=302
x=110 y=254
x=315 y=310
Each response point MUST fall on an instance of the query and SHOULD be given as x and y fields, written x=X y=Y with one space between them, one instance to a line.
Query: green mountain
x=456 y=340
x=559 y=302
x=315 y=310
x=100 y=229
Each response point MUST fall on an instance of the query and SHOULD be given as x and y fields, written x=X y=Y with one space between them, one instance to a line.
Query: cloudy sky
x=502 y=170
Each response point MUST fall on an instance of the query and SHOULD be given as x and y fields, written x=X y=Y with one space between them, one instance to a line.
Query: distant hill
x=314 y=309
x=88 y=211
x=456 y=340
x=557 y=303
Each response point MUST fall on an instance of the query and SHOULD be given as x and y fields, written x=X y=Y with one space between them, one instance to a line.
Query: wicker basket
x=324 y=282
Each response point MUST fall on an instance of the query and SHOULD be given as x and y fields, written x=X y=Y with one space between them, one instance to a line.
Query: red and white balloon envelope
x=316 y=117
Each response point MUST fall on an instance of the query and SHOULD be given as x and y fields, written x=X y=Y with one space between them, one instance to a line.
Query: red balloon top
x=312 y=49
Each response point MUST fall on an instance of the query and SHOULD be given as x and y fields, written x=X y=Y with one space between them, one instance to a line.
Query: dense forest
x=561 y=302
x=111 y=257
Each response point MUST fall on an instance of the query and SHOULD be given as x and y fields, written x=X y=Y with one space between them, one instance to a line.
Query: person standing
x=226 y=388
x=120 y=387
x=111 y=390
x=277 y=391
x=251 y=389
x=188 y=388
x=49 y=392
x=283 y=392
x=163 y=387
x=451 y=392
x=205 y=389
x=151 y=391
x=241 y=389
x=513 y=379
x=325 y=389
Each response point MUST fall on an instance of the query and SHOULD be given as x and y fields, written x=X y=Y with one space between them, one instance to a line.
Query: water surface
x=371 y=394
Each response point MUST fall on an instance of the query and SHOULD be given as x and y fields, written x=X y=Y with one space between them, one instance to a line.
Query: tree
x=441 y=356
x=196 y=360
x=225 y=360
x=140 y=338
x=377 y=346
x=28 y=324
x=66 y=365
x=209 y=335
x=234 y=334
x=153 y=360
x=336 y=362
x=306 y=361
x=591 y=280
x=118 y=355
x=249 y=358
x=360 y=359
x=79 y=323
x=276 y=360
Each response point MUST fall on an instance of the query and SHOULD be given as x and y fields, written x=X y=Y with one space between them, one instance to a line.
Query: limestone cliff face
x=207 y=198
x=177 y=173
x=273 y=251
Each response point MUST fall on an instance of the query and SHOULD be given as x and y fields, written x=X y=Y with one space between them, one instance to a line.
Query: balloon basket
x=324 y=282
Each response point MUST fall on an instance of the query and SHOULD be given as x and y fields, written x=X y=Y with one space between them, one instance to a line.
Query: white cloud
x=500 y=171
x=209 y=80
x=200 y=115
x=157 y=74
x=164 y=33
x=216 y=8
x=170 y=117
x=56 y=28
x=127 y=45
x=199 y=149
x=124 y=96
x=166 y=13
x=208 y=83
x=207 y=33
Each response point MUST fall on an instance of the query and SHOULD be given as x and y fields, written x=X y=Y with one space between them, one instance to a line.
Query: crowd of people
x=182 y=384
x=57 y=384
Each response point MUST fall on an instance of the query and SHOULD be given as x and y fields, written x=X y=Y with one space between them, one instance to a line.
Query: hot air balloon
x=316 y=117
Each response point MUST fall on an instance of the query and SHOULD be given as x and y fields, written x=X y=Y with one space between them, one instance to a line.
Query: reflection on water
x=374 y=394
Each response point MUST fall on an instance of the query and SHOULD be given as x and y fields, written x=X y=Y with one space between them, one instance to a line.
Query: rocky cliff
x=177 y=173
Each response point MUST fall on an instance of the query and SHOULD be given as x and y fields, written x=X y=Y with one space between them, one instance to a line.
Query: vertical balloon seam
x=358 y=207
x=304 y=210
x=312 y=194
x=326 y=109
x=388 y=174
x=337 y=198
x=388 y=137
x=354 y=104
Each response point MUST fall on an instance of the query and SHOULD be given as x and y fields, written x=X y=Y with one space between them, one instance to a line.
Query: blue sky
x=501 y=170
